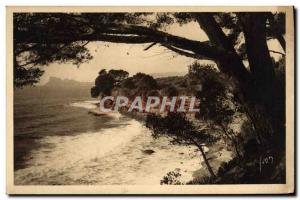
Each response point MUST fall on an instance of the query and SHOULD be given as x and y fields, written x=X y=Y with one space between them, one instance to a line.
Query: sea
x=58 y=142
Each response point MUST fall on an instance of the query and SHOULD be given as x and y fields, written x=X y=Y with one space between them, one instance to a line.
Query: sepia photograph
x=150 y=100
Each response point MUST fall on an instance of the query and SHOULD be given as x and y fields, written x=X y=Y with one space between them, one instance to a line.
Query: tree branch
x=277 y=52
x=213 y=30
x=231 y=65
x=277 y=35
x=132 y=34
x=184 y=53
x=151 y=45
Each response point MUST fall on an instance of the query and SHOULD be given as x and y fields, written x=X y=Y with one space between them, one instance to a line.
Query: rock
x=148 y=151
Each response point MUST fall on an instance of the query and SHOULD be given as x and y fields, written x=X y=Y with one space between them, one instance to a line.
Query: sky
x=133 y=58
x=129 y=57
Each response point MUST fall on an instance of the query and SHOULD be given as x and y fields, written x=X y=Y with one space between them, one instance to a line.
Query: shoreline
x=142 y=160
x=216 y=153
x=132 y=156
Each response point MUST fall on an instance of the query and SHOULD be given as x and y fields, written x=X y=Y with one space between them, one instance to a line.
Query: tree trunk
x=233 y=141
x=206 y=161
x=262 y=102
x=248 y=85
x=256 y=89
x=260 y=62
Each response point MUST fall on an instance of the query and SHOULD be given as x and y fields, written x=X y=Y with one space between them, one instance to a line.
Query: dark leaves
x=178 y=127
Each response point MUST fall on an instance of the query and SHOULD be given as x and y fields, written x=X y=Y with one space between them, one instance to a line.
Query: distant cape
x=57 y=82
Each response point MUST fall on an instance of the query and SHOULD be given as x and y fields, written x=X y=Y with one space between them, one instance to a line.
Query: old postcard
x=150 y=100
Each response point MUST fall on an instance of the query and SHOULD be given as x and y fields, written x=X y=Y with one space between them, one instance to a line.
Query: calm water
x=58 y=142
